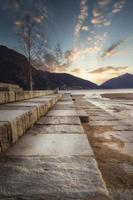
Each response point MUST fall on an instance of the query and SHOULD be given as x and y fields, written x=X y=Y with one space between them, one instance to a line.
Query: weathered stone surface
x=19 y=95
x=3 y=97
x=122 y=128
x=126 y=136
x=51 y=144
x=66 y=113
x=82 y=115
x=20 y=121
x=59 y=120
x=58 y=128
x=102 y=117
x=48 y=177
x=66 y=103
x=5 y=136
x=103 y=123
x=24 y=117
x=63 y=107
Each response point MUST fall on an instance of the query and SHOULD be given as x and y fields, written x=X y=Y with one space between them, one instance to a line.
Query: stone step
x=16 y=118
x=14 y=96
x=82 y=115
x=53 y=161
x=9 y=87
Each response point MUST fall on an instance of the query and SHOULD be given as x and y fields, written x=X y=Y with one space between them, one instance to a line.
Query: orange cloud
x=76 y=71
x=112 y=50
x=99 y=75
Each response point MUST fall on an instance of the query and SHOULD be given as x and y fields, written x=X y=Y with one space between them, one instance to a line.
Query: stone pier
x=52 y=161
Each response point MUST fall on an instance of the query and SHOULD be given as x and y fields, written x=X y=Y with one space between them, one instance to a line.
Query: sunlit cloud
x=85 y=28
x=112 y=50
x=81 y=18
x=101 y=74
x=102 y=13
x=103 y=2
x=106 y=69
x=118 y=6
x=76 y=71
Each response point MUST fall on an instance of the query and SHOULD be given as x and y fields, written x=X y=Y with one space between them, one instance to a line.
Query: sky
x=98 y=34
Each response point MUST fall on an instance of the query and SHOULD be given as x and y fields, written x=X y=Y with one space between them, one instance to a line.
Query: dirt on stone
x=119 y=181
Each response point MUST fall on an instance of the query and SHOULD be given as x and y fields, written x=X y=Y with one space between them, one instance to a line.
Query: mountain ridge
x=119 y=82
x=14 y=69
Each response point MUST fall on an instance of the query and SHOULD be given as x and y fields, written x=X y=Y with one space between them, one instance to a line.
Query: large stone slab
x=125 y=136
x=58 y=128
x=23 y=115
x=20 y=120
x=59 y=120
x=9 y=115
x=51 y=178
x=41 y=107
x=103 y=123
x=82 y=115
x=66 y=103
x=122 y=128
x=64 y=113
x=63 y=107
x=103 y=117
x=51 y=144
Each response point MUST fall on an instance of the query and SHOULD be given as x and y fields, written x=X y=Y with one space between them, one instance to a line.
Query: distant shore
x=126 y=96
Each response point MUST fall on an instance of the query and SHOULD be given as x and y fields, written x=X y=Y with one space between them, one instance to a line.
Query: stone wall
x=14 y=96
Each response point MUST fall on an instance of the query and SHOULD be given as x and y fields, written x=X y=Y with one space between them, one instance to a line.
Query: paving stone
x=58 y=128
x=9 y=115
x=125 y=148
x=63 y=102
x=103 y=117
x=122 y=128
x=66 y=113
x=63 y=107
x=126 y=136
x=48 y=177
x=66 y=99
x=22 y=104
x=24 y=117
x=102 y=123
x=82 y=115
x=59 y=120
x=51 y=144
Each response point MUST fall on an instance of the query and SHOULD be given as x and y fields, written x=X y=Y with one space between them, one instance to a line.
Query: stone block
x=63 y=113
x=82 y=115
x=5 y=136
x=51 y=178
x=58 y=128
x=59 y=120
x=51 y=144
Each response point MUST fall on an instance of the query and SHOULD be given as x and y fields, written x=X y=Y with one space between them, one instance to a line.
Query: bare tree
x=29 y=28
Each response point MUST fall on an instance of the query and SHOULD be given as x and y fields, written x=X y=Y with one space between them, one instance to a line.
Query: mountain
x=123 y=81
x=14 y=69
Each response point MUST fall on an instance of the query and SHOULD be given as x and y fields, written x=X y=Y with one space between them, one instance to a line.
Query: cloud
x=81 y=18
x=118 y=6
x=76 y=71
x=85 y=28
x=103 y=2
x=100 y=13
x=103 y=12
x=108 y=69
x=101 y=74
x=112 y=50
